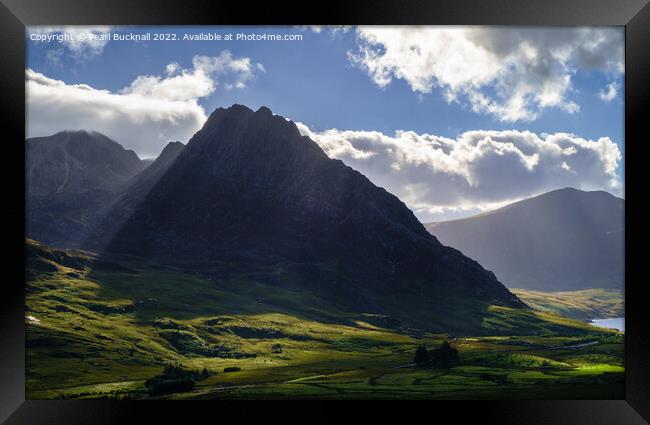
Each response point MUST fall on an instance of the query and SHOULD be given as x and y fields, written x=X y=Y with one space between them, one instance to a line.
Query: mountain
x=249 y=193
x=73 y=178
x=75 y=161
x=70 y=178
x=124 y=203
x=148 y=161
x=159 y=166
x=563 y=240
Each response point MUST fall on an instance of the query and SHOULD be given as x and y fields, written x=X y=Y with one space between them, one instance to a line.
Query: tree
x=445 y=355
x=421 y=355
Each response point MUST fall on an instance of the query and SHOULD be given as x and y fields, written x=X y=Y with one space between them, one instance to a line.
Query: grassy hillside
x=99 y=329
x=583 y=305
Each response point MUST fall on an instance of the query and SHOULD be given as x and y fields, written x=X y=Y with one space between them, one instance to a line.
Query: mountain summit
x=75 y=161
x=249 y=189
x=71 y=176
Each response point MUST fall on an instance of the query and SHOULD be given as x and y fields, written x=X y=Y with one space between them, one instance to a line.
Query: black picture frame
x=16 y=14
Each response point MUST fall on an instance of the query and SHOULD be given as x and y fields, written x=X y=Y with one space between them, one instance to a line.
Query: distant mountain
x=148 y=161
x=159 y=166
x=124 y=203
x=73 y=177
x=250 y=192
x=76 y=161
x=562 y=240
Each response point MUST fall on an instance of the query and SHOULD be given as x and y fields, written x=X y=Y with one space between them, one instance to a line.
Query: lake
x=613 y=322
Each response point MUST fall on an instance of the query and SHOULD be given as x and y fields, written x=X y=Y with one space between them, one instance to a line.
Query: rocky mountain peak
x=249 y=189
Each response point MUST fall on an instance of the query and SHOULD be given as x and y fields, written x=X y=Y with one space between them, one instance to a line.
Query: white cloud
x=609 y=94
x=479 y=170
x=510 y=73
x=144 y=115
x=188 y=84
x=171 y=68
x=333 y=29
x=80 y=42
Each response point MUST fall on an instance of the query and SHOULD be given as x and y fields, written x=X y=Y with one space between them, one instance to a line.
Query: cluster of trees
x=443 y=356
x=231 y=369
x=174 y=379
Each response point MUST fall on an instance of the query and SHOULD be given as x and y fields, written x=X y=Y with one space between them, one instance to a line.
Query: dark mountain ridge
x=249 y=189
x=250 y=199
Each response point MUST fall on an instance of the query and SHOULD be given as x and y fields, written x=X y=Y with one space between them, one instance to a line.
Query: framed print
x=360 y=202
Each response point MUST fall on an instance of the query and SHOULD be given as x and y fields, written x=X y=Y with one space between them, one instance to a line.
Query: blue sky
x=366 y=85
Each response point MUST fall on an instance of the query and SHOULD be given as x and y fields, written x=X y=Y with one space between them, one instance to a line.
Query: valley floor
x=112 y=332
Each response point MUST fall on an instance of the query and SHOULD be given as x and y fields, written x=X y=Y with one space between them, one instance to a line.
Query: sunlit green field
x=584 y=305
x=103 y=332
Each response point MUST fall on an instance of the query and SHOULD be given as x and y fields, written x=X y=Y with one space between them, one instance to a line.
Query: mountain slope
x=249 y=191
x=96 y=329
x=76 y=161
x=73 y=177
x=563 y=240
x=586 y=305
x=70 y=178
x=123 y=204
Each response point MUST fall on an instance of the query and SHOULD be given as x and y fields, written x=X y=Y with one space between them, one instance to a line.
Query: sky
x=453 y=120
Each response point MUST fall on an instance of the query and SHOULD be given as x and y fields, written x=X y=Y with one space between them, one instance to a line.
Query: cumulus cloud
x=480 y=170
x=143 y=116
x=188 y=84
x=80 y=42
x=510 y=73
x=609 y=93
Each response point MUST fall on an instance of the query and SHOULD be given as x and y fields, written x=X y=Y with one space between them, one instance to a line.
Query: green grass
x=583 y=305
x=101 y=332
